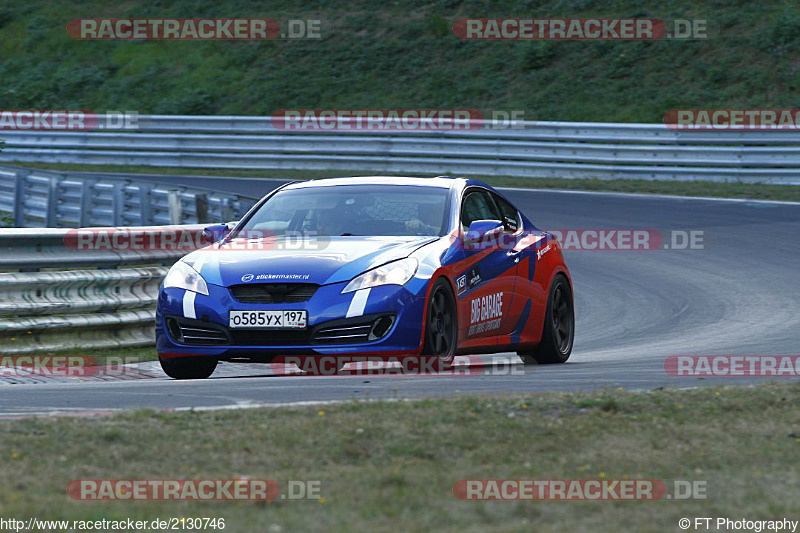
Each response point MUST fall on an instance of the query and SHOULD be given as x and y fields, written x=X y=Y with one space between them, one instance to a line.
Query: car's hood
x=328 y=260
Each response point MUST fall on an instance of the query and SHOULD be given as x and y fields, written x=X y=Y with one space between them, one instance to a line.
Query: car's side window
x=477 y=205
x=510 y=214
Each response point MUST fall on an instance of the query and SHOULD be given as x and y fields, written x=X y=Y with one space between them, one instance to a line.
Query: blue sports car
x=383 y=266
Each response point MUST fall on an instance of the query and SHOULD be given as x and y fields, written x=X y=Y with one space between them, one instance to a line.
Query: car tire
x=189 y=367
x=441 y=324
x=558 y=333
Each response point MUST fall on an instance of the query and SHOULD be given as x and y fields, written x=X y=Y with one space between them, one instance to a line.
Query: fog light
x=174 y=330
x=381 y=327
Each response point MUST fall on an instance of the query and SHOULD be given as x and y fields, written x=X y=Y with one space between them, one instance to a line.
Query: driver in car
x=428 y=220
x=341 y=220
x=330 y=222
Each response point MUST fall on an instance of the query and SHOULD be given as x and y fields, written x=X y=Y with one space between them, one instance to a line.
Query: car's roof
x=444 y=182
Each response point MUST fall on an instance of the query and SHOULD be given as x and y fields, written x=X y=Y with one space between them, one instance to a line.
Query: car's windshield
x=366 y=210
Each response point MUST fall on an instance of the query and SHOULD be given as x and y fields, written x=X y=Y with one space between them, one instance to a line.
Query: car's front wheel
x=188 y=367
x=558 y=333
x=441 y=326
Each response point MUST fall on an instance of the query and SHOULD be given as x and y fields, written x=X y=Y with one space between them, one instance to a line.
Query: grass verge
x=758 y=191
x=115 y=356
x=392 y=465
x=102 y=356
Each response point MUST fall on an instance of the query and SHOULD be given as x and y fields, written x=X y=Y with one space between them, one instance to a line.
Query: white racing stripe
x=188 y=304
x=358 y=303
x=189 y=296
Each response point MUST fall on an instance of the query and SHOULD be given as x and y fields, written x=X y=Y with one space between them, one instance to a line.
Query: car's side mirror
x=480 y=229
x=215 y=233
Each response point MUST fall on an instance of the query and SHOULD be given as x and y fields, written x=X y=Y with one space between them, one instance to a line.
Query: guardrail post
x=201 y=207
x=226 y=210
x=174 y=207
x=51 y=218
x=145 y=209
x=119 y=204
x=85 y=211
x=18 y=212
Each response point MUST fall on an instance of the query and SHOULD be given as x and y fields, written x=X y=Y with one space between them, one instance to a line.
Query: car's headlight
x=182 y=276
x=394 y=273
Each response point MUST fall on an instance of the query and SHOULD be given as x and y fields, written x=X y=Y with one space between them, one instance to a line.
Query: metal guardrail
x=54 y=297
x=37 y=198
x=530 y=150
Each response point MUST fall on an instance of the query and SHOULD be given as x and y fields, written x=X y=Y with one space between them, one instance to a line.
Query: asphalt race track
x=739 y=295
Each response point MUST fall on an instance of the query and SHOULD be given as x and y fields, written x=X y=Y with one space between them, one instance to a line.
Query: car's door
x=528 y=294
x=486 y=283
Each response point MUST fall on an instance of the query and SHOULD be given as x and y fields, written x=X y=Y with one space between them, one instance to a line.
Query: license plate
x=268 y=319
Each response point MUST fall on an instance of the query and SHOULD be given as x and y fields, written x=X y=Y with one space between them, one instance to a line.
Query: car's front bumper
x=330 y=319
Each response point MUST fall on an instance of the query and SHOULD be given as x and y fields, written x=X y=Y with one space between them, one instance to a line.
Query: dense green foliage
x=377 y=54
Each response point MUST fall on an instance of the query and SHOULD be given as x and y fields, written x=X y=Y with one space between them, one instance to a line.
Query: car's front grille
x=197 y=333
x=356 y=333
x=353 y=330
x=344 y=331
x=273 y=293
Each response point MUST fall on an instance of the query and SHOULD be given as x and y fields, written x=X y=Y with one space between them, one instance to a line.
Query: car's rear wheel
x=190 y=367
x=558 y=333
x=441 y=325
